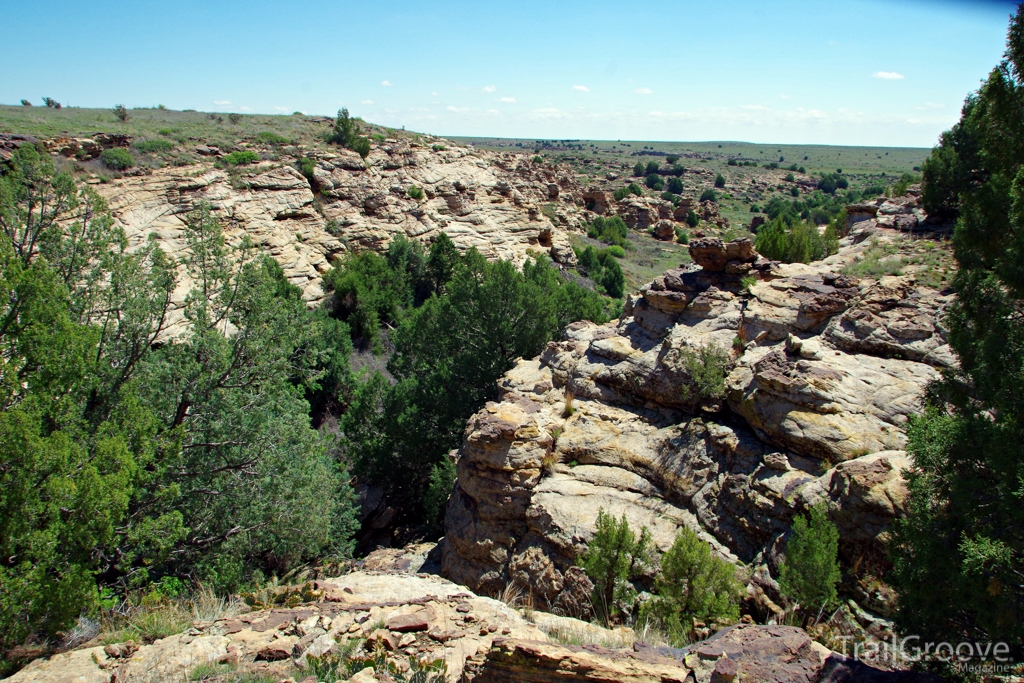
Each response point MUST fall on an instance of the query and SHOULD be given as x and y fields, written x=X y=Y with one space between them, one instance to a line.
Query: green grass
x=645 y=258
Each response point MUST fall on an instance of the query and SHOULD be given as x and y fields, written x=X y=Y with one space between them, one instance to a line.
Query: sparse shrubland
x=117 y=158
x=811 y=570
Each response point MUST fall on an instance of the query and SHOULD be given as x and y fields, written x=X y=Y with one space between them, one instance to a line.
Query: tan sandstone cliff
x=825 y=370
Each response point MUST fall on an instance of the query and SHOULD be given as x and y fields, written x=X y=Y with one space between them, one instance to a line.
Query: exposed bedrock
x=824 y=372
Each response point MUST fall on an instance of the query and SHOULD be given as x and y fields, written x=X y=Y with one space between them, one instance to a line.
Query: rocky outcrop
x=815 y=409
x=411 y=617
x=767 y=654
x=482 y=200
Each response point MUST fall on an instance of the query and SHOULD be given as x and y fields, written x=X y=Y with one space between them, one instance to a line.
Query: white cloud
x=887 y=75
x=222 y=103
x=754 y=107
x=489 y=88
x=783 y=97
x=509 y=100
x=386 y=83
x=280 y=108
x=644 y=91
x=581 y=88
x=366 y=102
x=493 y=111
x=930 y=105
x=244 y=109
x=451 y=108
x=433 y=93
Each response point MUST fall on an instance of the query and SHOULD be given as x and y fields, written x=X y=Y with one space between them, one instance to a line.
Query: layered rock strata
x=488 y=201
x=823 y=373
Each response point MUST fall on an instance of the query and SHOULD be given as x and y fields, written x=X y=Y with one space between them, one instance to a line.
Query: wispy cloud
x=451 y=108
x=581 y=88
x=433 y=93
x=887 y=75
x=244 y=108
x=930 y=105
x=222 y=103
x=509 y=100
x=366 y=102
x=489 y=88
x=386 y=83
x=644 y=91
x=280 y=108
x=493 y=111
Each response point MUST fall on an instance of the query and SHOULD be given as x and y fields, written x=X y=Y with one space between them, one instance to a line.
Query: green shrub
x=631 y=189
x=361 y=147
x=706 y=367
x=732 y=162
x=117 y=158
x=799 y=243
x=655 y=182
x=639 y=169
x=708 y=195
x=121 y=113
x=611 y=230
x=415 y=192
x=538 y=159
x=811 y=570
x=671 y=158
x=613 y=280
x=240 y=158
x=614 y=558
x=154 y=146
x=675 y=185
x=307 y=166
x=790 y=178
x=682 y=236
x=441 y=148
x=795 y=191
x=720 y=181
x=617 y=251
x=693 y=585
x=442 y=479
x=692 y=219
x=235 y=119
x=272 y=138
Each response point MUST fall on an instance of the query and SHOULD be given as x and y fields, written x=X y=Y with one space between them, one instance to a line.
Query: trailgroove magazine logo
x=970 y=657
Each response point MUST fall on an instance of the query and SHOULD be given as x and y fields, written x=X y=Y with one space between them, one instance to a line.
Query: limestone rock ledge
x=824 y=372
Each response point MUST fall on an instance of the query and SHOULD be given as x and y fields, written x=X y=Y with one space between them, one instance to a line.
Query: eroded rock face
x=483 y=200
x=602 y=420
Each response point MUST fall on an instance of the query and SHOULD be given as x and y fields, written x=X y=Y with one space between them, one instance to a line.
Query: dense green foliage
x=960 y=552
x=811 y=570
x=117 y=158
x=799 y=242
x=708 y=195
x=456 y=324
x=601 y=267
x=614 y=559
x=124 y=458
x=720 y=181
x=240 y=158
x=693 y=584
x=631 y=189
x=655 y=182
x=830 y=182
x=609 y=230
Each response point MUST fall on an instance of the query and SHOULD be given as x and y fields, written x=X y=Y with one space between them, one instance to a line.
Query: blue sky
x=852 y=72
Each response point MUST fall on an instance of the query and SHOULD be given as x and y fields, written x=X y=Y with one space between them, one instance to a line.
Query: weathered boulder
x=894 y=319
x=714 y=255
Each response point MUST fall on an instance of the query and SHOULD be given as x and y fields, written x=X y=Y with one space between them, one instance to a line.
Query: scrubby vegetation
x=608 y=230
x=110 y=438
x=117 y=158
x=798 y=242
x=614 y=559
